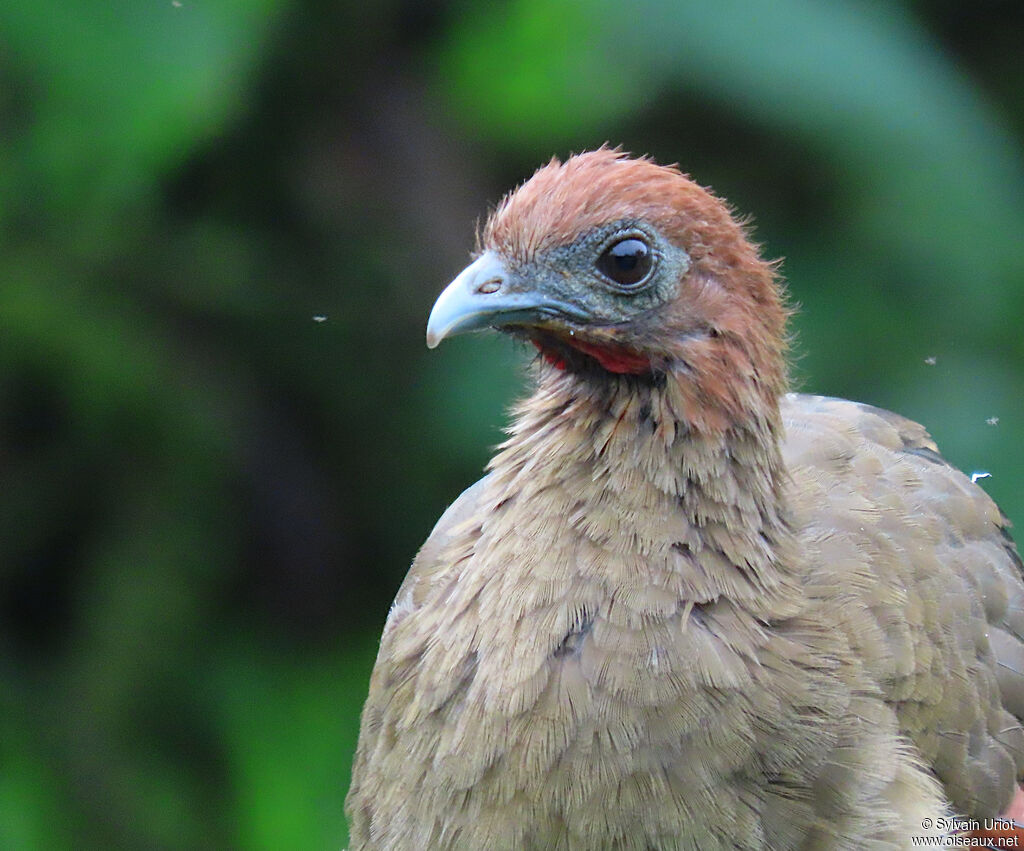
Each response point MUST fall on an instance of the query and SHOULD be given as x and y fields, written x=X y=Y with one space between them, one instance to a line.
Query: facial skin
x=590 y=296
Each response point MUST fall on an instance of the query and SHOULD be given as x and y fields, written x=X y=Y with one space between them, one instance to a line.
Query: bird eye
x=627 y=262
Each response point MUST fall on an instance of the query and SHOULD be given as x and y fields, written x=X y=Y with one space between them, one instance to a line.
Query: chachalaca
x=684 y=608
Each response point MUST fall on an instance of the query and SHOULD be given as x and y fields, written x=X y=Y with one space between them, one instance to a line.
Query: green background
x=208 y=498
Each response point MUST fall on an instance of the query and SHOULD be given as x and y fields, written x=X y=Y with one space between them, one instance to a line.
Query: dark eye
x=628 y=262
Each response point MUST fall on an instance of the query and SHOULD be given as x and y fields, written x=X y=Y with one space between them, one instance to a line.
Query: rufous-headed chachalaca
x=685 y=609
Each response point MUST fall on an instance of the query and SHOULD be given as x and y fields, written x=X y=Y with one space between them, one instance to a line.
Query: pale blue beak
x=485 y=294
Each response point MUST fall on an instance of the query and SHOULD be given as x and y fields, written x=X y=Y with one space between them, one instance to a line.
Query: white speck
x=320 y=318
x=992 y=421
x=176 y=4
x=572 y=333
x=654 y=658
x=981 y=474
x=930 y=360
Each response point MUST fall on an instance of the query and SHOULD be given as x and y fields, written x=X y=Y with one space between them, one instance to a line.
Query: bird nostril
x=489 y=287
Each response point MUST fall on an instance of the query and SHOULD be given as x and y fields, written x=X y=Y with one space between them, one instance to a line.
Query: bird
x=685 y=607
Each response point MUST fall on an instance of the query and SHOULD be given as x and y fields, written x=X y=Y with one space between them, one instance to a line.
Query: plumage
x=684 y=609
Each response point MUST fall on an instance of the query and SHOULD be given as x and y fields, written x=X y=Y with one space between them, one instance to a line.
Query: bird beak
x=485 y=294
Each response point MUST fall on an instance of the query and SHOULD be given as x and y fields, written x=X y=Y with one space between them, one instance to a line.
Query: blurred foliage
x=209 y=497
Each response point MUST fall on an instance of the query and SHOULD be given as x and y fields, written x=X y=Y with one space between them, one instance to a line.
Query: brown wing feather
x=928 y=587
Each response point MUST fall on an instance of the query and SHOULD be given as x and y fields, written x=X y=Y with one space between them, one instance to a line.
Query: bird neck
x=634 y=470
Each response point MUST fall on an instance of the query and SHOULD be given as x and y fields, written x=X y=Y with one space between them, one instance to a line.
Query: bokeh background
x=222 y=225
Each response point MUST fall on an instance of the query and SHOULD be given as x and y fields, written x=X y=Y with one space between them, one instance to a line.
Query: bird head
x=616 y=266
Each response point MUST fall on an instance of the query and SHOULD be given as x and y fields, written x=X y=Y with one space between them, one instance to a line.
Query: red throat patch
x=615 y=359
